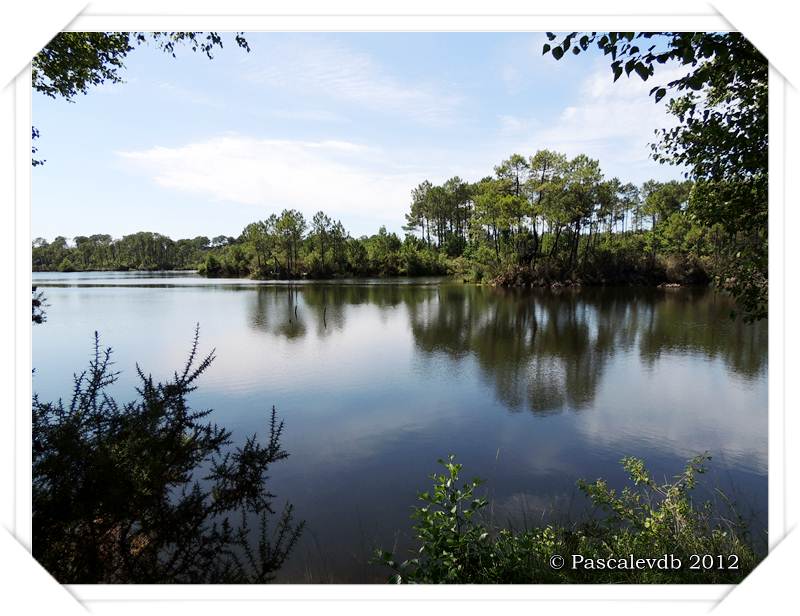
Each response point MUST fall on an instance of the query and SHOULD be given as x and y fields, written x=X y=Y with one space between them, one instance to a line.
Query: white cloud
x=512 y=77
x=333 y=70
x=347 y=180
x=613 y=122
x=520 y=63
x=306 y=115
x=735 y=425
x=511 y=125
x=189 y=95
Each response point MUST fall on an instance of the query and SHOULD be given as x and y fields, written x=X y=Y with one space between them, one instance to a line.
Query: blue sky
x=347 y=123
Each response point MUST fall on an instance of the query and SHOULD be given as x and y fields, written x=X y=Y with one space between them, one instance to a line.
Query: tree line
x=539 y=219
x=721 y=136
x=281 y=246
x=137 y=251
x=554 y=218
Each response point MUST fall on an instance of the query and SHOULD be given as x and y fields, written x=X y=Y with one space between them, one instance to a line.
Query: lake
x=376 y=379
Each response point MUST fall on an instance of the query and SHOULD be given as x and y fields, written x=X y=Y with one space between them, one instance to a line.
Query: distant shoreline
x=554 y=285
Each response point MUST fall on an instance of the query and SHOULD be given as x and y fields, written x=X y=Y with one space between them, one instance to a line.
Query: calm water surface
x=377 y=379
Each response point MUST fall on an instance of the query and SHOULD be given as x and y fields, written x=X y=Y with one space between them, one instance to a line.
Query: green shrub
x=66 y=265
x=646 y=520
x=211 y=267
x=150 y=491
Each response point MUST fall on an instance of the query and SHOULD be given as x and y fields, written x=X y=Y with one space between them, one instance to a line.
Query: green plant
x=452 y=543
x=649 y=518
x=149 y=491
x=38 y=304
x=646 y=520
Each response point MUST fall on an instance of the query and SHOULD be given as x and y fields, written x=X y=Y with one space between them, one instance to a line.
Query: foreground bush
x=645 y=519
x=148 y=491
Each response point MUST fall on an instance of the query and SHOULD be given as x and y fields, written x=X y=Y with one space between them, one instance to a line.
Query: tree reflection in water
x=541 y=350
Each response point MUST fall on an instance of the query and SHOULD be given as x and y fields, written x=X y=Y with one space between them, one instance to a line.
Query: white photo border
x=401 y=23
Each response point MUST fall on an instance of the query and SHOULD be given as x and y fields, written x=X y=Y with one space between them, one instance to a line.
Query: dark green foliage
x=279 y=247
x=74 y=61
x=38 y=315
x=137 y=251
x=547 y=220
x=645 y=519
x=231 y=264
x=149 y=491
x=722 y=136
x=35 y=162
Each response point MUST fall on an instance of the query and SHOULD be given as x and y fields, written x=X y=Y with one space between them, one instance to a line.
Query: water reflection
x=376 y=380
x=289 y=310
x=540 y=350
x=275 y=311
